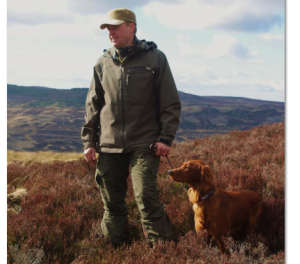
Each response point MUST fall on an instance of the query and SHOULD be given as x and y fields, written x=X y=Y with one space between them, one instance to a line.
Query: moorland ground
x=55 y=208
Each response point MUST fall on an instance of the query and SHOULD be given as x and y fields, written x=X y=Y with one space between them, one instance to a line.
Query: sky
x=214 y=47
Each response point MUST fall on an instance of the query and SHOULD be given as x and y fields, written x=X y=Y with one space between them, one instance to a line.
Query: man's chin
x=116 y=46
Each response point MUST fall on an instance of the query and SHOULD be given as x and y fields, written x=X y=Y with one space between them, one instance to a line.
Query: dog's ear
x=205 y=177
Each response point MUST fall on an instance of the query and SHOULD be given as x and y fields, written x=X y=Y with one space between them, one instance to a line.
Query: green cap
x=118 y=16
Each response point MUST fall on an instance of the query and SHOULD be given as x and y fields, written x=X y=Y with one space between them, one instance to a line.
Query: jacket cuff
x=89 y=144
x=165 y=140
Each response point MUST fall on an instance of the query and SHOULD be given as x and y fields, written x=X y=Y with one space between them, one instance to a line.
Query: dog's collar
x=207 y=195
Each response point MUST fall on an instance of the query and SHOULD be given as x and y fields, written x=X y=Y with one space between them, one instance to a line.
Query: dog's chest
x=199 y=212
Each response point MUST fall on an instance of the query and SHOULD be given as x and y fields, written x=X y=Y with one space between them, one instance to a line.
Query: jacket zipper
x=123 y=108
x=127 y=84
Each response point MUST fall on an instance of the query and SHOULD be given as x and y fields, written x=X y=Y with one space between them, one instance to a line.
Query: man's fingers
x=90 y=158
x=90 y=155
x=162 y=150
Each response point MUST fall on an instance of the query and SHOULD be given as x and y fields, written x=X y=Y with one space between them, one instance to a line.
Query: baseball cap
x=118 y=16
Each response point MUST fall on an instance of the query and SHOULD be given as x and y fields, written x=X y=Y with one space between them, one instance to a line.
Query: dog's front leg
x=218 y=238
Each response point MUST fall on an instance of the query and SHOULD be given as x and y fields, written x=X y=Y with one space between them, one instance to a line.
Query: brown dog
x=221 y=212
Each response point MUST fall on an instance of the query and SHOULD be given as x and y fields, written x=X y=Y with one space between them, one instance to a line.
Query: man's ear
x=132 y=27
x=206 y=179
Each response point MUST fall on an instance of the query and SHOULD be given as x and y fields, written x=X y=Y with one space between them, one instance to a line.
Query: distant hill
x=41 y=118
x=32 y=96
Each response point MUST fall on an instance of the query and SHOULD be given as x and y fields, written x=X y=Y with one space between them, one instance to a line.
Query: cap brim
x=113 y=22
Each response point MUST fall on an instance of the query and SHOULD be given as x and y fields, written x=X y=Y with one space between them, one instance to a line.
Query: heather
x=55 y=218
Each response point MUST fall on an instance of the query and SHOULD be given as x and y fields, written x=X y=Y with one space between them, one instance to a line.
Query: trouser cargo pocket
x=111 y=177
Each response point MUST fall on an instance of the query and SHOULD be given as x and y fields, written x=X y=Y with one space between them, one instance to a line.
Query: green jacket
x=133 y=104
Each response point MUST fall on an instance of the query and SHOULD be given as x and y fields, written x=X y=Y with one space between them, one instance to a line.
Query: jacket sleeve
x=93 y=105
x=169 y=102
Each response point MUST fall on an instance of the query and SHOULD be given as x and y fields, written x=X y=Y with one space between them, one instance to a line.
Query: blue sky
x=214 y=47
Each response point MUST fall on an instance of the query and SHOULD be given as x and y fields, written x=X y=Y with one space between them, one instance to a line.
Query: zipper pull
x=127 y=77
x=147 y=68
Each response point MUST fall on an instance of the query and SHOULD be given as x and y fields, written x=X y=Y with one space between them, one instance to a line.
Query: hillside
x=55 y=208
x=40 y=118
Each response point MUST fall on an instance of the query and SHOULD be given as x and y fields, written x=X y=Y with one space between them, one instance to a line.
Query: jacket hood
x=141 y=45
x=146 y=45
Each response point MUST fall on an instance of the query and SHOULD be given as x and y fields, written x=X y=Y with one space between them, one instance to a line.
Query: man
x=132 y=102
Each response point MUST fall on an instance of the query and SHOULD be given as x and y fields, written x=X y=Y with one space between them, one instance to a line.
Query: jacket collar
x=140 y=45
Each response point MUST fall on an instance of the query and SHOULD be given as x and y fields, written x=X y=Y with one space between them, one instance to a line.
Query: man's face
x=121 y=35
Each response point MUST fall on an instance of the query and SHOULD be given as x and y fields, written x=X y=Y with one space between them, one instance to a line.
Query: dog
x=221 y=212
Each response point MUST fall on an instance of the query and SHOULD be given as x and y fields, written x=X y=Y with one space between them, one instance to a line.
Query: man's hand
x=162 y=149
x=90 y=155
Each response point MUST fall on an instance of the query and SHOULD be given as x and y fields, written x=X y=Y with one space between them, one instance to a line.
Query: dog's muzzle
x=170 y=172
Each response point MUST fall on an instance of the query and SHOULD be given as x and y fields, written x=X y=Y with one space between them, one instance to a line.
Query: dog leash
x=153 y=147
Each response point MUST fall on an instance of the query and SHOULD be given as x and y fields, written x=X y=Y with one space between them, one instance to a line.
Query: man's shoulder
x=154 y=52
x=106 y=56
x=148 y=46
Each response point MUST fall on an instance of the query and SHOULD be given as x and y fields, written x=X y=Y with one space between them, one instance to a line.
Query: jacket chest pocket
x=139 y=84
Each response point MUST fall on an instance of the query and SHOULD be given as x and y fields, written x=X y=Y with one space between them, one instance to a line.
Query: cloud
x=272 y=37
x=243 y=15
x=276 y=41
x=185 y=48
x=87 y=26
x=204 y=77
x=94 y=6
x=187 y=73
x=240 y=51
x=224 y=45
x=34 y=12
x=248 y=90
x=215 y=50
x=34 y=18
x=266 y=89
x=251 y=23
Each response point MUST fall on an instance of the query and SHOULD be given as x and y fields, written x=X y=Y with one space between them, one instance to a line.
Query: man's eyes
x=115 y=27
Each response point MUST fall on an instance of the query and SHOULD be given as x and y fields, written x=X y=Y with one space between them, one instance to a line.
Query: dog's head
x=193 y=172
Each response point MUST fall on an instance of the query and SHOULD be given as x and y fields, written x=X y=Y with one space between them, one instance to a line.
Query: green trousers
x=111 y=176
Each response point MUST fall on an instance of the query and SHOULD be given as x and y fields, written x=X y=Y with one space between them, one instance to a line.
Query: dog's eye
x=186 y=168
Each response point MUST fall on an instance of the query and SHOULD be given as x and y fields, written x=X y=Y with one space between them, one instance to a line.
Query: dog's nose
x=170 y=171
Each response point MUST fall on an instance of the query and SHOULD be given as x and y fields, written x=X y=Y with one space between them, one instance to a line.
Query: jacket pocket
x=139 y=84
x=105 y=166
